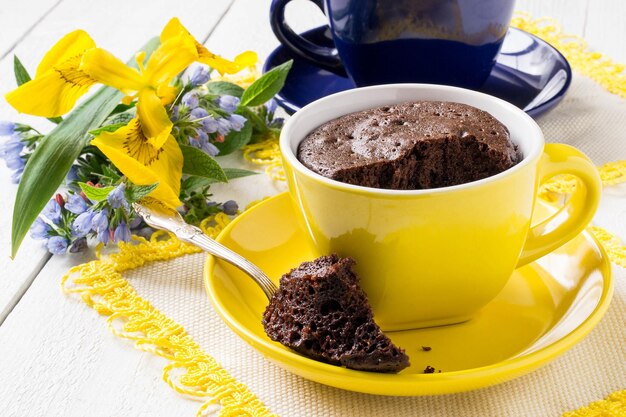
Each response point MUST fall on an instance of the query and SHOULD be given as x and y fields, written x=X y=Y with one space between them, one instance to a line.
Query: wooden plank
x=605 y=30
x=599 y=22
x=229 y=38
x=20 y=18
x=58 y=359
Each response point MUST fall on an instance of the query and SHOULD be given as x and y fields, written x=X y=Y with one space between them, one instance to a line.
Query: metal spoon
x=167 y=219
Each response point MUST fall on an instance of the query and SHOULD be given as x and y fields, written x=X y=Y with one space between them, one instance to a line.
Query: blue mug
x=452 y=42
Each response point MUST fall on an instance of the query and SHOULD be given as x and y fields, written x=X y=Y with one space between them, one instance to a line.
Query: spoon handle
x=194 y=235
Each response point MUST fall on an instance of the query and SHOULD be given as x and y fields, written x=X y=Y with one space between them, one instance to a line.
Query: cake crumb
x=426 y=348
x=429 y=370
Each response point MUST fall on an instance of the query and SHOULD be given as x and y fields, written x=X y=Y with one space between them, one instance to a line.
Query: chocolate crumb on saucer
x=426 y=348
x=321 y=312
x=429 y=370
x=409 y=146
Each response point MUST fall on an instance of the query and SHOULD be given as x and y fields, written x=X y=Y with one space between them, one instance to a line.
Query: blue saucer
x=529 y=73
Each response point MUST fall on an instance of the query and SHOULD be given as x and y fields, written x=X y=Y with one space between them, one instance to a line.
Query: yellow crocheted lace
x=266 y=154
x=190 y=370
x=595 y=65
x=102 y=287
x=612 y=406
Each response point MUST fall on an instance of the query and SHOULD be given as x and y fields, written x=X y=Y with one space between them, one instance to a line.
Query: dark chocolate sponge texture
x=320 y=311
x=417 y=145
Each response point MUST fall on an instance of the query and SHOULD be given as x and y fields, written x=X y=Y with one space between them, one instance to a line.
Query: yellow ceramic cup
x=433 y=257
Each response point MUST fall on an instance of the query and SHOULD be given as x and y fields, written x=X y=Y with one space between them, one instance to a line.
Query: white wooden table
x=56 y=358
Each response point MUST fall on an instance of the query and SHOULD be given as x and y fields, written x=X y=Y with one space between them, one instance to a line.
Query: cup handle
x=576 y=214
x=321 y=56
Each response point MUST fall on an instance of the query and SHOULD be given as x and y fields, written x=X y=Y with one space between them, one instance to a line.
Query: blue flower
x=209 y=124
x=174 y=113
x=223 y=126
x=122 y=233
x=236 y=122
x=198 y=113
x=228 y=103
x=13 y=145
x=199 y=76
x=230 y=207
x=104 y=235
x=39 y=229
x=190 y=100
x=17 y=176
x=271 y=105
x=72 y=176
x=79 y=245
x=211 y=149
x=200 y=138
x=116 y=197
x=75 y=204
x=6 y=128
x=10 y=152
x=135 y=222
x=100 y=220
x=57 y=245
x=83 y=223
x=14 y=162
x=52 y=211
x=277 y=122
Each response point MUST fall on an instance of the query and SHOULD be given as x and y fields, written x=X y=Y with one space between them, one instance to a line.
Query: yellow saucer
x=545 y=309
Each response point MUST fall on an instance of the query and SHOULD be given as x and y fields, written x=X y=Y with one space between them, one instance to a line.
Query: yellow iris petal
x=52 y=94
x=247 y=59
x=155 y=122
x=167 y=93
x=223 y=66
x=71 y=45
x=169 y=59
x=171 y=29
x=144 y=164
x=59 y=81
x=107 y=69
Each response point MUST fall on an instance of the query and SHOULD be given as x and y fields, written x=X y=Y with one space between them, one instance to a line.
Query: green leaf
x=137 y=192
x=220 y=88
x=199 y=163
x=258 y=124
x=95 y=193
x=235 y=140
x=194 y=183
x=55 y=120
x=121 y=108
x=107 y=128
x=22 y=76
x=267 y=86
x=49 y=163
x=233 y=173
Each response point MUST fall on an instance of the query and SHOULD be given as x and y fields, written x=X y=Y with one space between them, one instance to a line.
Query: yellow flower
x=59 y=81
x=130 y=151
x=149 y=84
x=223 y=66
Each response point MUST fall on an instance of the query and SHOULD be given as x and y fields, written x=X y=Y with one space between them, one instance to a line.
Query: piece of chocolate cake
x=320 y=311
x=425 y=144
